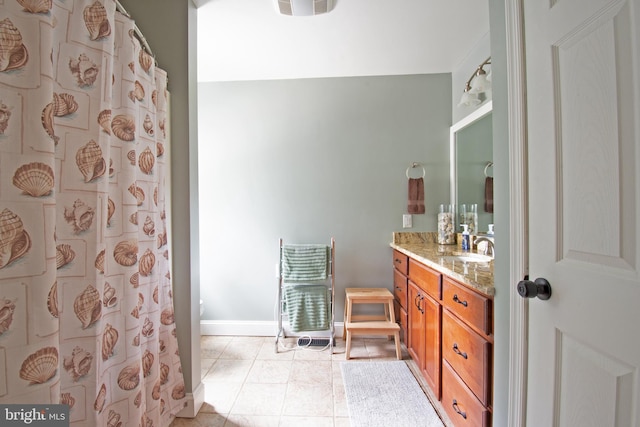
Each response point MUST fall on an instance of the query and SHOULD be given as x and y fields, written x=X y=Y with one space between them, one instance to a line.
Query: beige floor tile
x=205 y=365
x=287 y=421
x=380 y=348
x=341 y=422
x=243 y=348
x=340 y=408
x=311 y=372
x=260 y=399
x=358 y=349
x=210 y=420
x=228 y=371
x=207 y=408
x=210 y=353
x=203 y=372
x=339 y=355
x=236 y=420
x=212 y=347
x=220 y=397
x=336 y=372
x=270 y=371
x=209 y=340
x=254 y=340
x=309 y=399
x=184 y=422
x=268 y=352
x=248 y=384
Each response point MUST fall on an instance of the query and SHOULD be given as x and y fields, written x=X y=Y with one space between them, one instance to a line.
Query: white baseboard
x=252 y=328
x=195 y=401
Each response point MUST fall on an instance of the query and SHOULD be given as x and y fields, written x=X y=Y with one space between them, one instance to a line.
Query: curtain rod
x=136 y=31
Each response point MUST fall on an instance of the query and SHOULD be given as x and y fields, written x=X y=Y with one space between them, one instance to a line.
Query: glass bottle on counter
x=469 y=215
x=446 y=231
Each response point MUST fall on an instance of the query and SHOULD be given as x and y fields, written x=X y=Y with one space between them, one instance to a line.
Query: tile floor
x=248 y=384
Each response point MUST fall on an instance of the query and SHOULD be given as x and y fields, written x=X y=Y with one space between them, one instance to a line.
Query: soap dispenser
x=466 y=241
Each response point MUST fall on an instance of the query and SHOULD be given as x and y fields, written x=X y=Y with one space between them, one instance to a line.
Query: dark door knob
x=540 y=288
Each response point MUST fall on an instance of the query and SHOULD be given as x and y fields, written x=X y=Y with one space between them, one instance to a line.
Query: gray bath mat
x=386 y=394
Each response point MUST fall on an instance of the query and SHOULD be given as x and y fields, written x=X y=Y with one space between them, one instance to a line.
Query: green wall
x=306 y=160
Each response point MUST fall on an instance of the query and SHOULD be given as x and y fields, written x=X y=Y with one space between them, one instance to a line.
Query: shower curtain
x=86 y=306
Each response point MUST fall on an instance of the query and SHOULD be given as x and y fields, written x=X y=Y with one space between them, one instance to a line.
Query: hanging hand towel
x=488 y=194
x=416 y=196
x=305 y=263
x=308 y=307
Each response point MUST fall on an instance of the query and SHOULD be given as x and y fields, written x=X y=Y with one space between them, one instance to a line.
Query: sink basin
x=467 y=258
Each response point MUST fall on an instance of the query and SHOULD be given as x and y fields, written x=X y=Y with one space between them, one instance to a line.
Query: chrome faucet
x=489 y=249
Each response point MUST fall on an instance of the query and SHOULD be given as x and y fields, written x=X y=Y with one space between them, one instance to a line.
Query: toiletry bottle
x=490 y=232
x=466 y=244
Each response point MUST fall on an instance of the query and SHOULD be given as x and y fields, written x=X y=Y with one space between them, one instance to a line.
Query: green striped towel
x=304 y=263
x=308 y=307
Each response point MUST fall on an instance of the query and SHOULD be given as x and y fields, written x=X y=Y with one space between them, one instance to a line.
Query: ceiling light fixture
x=479 y=82
x=304 y=7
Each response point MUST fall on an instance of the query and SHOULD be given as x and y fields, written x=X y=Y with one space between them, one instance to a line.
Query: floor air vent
x=316 y=342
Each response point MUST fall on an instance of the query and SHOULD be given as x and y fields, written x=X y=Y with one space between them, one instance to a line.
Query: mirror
x=471 y=157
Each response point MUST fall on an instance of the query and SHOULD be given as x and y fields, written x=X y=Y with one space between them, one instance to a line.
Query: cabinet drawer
x=400 y=288
x=429 y=280
x=400 y=261
x=470 y=306
x=468 y=354
x=402 y=319
x=462 y=407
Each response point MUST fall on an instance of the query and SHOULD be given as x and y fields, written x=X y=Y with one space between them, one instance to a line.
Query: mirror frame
x=476 y=115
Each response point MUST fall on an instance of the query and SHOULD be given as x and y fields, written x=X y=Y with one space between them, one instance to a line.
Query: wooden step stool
x=367 y=324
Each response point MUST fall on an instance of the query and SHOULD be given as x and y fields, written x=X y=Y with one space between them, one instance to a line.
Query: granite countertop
x=423 y=247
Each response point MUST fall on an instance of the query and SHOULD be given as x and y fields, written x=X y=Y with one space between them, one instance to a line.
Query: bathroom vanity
x=444 y=302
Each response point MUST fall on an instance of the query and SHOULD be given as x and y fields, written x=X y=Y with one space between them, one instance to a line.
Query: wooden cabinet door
x=416 y=324
x=432 y=330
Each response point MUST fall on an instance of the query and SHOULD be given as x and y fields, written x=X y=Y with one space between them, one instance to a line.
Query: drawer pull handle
x=416 y=302
x=457 y=351
x=398 y=261
x=458 y=300
x=458 y=411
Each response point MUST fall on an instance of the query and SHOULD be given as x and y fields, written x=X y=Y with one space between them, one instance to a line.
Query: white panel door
x=583 y=106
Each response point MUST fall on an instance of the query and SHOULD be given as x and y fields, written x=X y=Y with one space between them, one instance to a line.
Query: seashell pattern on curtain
x=86 y=302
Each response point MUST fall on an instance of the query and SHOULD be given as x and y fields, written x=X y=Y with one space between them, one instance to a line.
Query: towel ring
x=489 y=165
x=415 y=165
